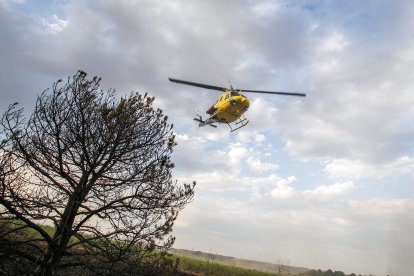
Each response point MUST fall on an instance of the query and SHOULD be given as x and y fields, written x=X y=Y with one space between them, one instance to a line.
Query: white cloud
x=244 y=136
x=335 y=42
x=379 y=208
x=352 y=169
x=250 y=136
x=237 y=153
x=262 y=113
x=256 y=165
x=266 y=8
x=328 y=192
x=54 y=24
x=260 y=138
x=283 y=189
x=357 y=169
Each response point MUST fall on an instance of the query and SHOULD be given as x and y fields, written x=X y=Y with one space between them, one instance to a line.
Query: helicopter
x=230 y=106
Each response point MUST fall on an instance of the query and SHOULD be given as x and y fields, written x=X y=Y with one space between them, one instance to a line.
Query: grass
x=29 y=232
x=21 y=228
x=200 y=267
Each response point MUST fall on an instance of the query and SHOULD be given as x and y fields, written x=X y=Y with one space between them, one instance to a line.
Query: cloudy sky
x=323 y=182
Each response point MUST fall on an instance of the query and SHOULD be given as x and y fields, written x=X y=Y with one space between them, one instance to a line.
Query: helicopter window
x=234 y=93
x=227 y=96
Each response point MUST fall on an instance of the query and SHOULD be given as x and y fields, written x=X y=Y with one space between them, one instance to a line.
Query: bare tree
x=95 y=168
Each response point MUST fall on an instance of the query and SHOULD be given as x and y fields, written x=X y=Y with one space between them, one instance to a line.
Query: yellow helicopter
x=230 y=106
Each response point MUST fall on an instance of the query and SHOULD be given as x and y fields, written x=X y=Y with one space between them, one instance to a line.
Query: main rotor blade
x=198 y=84
x=275 y=92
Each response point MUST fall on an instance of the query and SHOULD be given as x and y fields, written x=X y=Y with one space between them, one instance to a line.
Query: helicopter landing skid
x=202 y=123
x=241 y=122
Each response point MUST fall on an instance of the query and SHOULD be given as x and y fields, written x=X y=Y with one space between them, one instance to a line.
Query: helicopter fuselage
x=229 y=107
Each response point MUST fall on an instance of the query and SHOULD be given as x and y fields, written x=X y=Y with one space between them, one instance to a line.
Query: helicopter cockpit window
x=234 y=93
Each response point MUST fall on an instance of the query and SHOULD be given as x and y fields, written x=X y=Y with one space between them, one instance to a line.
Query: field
x=200 y=267
x=213 y=264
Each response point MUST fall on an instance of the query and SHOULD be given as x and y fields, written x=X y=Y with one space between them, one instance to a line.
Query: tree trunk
x=53 y=254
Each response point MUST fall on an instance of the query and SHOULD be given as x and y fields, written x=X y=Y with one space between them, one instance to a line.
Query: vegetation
x=98 y=170
x=201 y=267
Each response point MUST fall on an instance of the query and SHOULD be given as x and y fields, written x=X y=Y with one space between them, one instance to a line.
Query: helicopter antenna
x=231 y=87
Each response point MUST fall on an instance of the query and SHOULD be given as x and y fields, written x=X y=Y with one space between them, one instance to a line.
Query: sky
x=320 y=182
